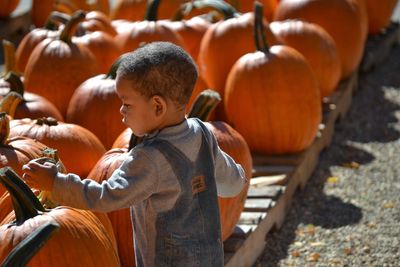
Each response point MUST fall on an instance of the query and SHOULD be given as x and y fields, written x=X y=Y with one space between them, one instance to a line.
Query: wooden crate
x=276 y=178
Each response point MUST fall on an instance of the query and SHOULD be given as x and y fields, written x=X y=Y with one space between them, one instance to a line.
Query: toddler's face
x=137 y=110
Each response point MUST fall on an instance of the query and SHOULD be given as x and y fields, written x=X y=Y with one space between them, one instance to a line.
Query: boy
x=171 y=180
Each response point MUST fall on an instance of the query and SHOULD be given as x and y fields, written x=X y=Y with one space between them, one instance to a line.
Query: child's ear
x=160 y=105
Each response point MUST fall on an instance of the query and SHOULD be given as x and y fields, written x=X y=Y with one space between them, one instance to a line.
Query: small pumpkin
x=79 y=148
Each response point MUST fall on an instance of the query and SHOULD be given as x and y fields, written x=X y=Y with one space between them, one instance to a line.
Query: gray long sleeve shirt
x=147 y=183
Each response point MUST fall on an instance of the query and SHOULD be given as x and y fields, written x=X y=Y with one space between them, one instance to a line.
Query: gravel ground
x=349 y=212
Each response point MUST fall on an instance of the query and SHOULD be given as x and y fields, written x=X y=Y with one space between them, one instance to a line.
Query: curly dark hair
x=160 y=68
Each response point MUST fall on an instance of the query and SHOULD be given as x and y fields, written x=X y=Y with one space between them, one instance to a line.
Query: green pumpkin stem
x=152 y=10
x=70 y=26
x=258 y=30
x=204 y=104
x=221 y=7
x=26 y=205
x=9 y=56
x=16 y=85
x=59 y=17
x=50 y=121
x=112 y=72
x=27 y=248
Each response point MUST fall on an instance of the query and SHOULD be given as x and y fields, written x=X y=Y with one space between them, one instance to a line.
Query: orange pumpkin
x=272 y=98
x=344 y=20
x=32 y=105
x=245 y=6
x=316 y=45
x=79 y=148
x=16 y=151
x=379 y=14
x=97 y=21
x=120 y=219
x=57 y=67
x=31 y=40
x=223 y=43
x=7 y=7
x=134 y=34
x=81 y=232
x=96 y=98
x=230 y=141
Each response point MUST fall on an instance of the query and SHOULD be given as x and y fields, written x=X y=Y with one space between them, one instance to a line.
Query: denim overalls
x=190 y=233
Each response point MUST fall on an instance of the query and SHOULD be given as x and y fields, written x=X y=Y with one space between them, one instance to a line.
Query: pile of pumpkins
x=270 y=64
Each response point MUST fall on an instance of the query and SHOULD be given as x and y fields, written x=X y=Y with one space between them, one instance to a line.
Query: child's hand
x=39 y=176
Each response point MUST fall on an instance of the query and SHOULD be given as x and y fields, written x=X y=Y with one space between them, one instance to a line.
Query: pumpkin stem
x=204 y=104
x=258 y=30
x=16 y=85
x=9 y=56
x=70 y=26
x=59 y=17
x=25 y=203
x=4 y=128
x=152 y=10
x=112 y=72
x=50 y=121
x=9 y=103
x=27 y=248
x=221 y=7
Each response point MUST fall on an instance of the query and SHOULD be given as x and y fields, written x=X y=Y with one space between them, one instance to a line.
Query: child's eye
x=126 y=105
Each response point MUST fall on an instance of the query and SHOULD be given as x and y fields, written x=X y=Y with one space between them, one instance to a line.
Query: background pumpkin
x=316 y=45
x=262 y=104
x=344 y=20
x=379 y=14
x=7 y=7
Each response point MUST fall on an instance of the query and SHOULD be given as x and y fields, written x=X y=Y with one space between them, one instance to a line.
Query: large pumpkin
x=79 y=148
x=57 y=67
x=245 y=6
x=344 y=20
x=120 y=219
x=272 y=98
x=132 y=35
x=96 y=99
x=316 y=45
x=379 y=14
x=82 y=234
x=223 y=43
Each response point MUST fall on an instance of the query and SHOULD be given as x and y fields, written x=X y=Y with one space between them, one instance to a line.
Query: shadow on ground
x=370 y=119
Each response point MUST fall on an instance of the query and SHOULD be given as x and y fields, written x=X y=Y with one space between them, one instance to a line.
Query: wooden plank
x=378 y=46
x=292 y=159
x=252 y=217
x=261 y=181
x=268 y=191
x=263 y=170
x=258 y=204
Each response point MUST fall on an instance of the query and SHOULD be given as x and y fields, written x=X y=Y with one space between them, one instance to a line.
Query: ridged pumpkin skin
x=191 y=31
x=79 y=148
x=316 y=45
x=93 y=100
x=248 y=5
x=230 y=141
x=223 y=43
x=272 y=99
x=379 y=14
x=344 y=20
x=57 y=67
x=81 y=233
x=134 y=10
x=120 y=219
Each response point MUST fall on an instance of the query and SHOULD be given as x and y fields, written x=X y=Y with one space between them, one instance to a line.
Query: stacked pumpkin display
x=272 y=67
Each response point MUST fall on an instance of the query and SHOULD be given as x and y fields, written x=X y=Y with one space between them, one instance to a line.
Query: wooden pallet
x=276 y=178
x=378 y=46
